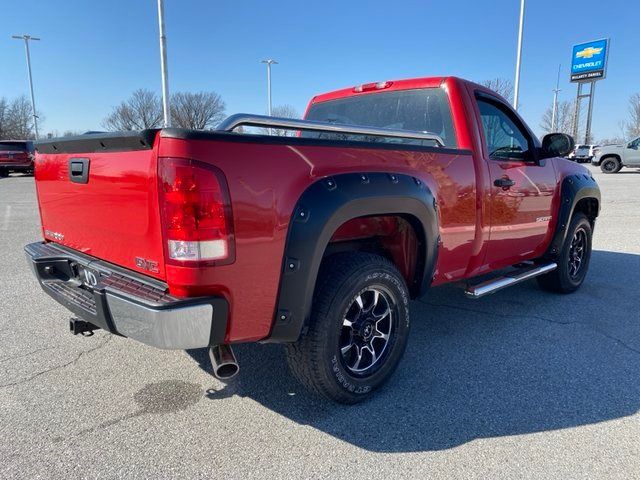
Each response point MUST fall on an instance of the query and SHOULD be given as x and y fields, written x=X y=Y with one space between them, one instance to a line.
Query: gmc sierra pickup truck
x=185 y=239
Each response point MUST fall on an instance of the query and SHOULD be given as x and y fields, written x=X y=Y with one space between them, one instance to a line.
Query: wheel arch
x=398 y=237
x=322 y=209
x=579 y=192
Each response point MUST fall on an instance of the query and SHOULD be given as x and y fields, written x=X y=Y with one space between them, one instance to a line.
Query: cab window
x=504 y=138
x=420 y=110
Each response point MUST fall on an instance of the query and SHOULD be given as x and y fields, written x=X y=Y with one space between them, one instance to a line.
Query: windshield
x=422 y=110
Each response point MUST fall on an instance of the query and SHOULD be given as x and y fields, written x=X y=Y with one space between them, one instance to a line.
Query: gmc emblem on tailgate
x=145 y=264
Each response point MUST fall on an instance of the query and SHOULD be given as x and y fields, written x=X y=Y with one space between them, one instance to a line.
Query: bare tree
x=17 y=119
x=501 y=86
x=71 y=133
x=611 y=141
x=282 y=111
x=4 y=118
x=564 y=118
x=633 y=125
x=141 y=110
x=198 y=111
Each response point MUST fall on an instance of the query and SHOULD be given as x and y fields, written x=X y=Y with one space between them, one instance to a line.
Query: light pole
x=26 y=39
x=554 y=112
x=269 y=62
x=166 y=109
x=516 y=88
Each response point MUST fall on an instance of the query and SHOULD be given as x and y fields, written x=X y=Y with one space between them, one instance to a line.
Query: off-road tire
x=316 y=359
x=610 y=165
x=561 y=280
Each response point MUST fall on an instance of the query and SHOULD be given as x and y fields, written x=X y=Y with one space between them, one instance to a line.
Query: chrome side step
x=513 y=278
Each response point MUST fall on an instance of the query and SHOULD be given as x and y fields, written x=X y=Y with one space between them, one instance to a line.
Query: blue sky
x=93 y=54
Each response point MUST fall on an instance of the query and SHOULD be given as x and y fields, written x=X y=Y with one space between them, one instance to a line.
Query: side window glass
x=505 y=140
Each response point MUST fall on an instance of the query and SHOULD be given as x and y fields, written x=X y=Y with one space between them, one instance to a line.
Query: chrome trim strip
x=250 y=120
x=171 y=329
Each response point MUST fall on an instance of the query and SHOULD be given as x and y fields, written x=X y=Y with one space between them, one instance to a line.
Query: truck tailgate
x=99 y=195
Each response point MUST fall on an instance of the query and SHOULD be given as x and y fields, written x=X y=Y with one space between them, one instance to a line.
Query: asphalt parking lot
x=520 y=384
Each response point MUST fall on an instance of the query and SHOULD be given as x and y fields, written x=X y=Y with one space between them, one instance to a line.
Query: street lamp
x=166 y=109
x=269 y=62
x=26 y=39
x=554 y=112
x=516 y=87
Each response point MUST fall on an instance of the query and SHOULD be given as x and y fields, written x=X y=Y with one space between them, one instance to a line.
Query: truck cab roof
x=391 y=85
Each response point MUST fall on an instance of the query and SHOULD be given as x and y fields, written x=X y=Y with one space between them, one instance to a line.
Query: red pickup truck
x=184 y=239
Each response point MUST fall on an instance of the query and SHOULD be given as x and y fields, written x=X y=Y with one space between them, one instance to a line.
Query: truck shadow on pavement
x=521 y=361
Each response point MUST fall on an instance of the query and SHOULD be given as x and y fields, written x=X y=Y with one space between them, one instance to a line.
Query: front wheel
x=573 y=260
x=358 y=328
x=610 y=165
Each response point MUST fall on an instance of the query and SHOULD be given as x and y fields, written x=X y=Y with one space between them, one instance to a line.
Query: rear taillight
x=196 y=213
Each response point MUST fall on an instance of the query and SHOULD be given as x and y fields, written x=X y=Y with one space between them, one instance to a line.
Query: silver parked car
x=611 y=158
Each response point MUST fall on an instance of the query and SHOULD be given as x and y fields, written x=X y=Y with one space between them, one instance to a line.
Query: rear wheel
x=358 y=328
x=573 y=261
x=610 y=165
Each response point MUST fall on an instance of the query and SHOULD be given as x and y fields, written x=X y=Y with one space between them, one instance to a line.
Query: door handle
x=504 y=182
x=79 y=170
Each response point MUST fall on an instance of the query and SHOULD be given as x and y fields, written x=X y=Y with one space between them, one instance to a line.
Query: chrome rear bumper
x=125 y=303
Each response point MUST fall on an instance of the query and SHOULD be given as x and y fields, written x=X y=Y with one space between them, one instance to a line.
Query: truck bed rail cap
x=99 y=142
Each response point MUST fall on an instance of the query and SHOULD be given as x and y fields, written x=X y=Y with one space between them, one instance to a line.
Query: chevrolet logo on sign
x=588 y=52
x=589 y=60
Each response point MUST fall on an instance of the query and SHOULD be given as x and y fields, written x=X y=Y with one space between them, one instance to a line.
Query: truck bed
x=115 y=216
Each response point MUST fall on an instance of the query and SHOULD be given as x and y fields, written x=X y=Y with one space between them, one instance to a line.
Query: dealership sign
x=589 y=61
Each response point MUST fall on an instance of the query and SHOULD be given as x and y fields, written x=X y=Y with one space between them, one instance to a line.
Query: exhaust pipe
x=223 y=362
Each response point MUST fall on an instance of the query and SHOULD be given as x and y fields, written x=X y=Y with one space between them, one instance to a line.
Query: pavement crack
x=22 y=355
x=101 y=426
x=537 y=317
x=60 y=367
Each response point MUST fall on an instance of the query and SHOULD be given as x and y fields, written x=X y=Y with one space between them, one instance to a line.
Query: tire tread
x=556 y=281
x=306 y=355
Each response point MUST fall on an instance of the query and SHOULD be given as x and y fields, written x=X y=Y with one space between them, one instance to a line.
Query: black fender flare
x=321 y=209
x=574 y=188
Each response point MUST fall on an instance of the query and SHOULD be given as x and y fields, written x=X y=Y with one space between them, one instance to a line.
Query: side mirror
x=556 y=145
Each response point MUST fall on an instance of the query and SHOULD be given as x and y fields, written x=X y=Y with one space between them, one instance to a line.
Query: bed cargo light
x=195 y=212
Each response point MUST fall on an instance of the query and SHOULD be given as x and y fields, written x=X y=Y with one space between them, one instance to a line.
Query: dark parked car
x=16 y=156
